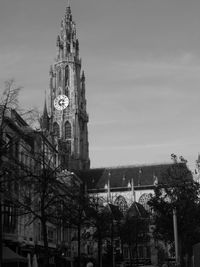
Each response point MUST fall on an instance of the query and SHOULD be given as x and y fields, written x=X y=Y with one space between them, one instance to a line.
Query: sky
x=142 y=65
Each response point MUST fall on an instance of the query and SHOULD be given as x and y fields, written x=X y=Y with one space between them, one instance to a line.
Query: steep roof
x=144 y=175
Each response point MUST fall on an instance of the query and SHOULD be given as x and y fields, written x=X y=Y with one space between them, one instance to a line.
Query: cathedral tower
x=69 y=124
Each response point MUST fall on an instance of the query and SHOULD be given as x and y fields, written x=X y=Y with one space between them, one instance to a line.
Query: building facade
x=128 y=188
x=26 y=155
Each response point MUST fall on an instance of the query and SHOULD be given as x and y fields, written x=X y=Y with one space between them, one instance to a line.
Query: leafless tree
x=8 y=100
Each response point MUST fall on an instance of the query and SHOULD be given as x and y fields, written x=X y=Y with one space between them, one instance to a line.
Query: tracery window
x=68 y=130
x=121 y=202
x=144 y=199
x=56 y=129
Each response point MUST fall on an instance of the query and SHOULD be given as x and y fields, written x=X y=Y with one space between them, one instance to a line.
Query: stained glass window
x=56 y=129
x=68 y=130
x=144 y=199
x=121 y=202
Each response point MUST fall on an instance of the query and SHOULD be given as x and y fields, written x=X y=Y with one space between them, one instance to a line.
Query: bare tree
x=75 y=209
x=34 y=183
x=8 y=101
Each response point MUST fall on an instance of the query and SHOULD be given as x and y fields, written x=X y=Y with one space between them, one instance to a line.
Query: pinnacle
x=68 y=13
x=45 y=113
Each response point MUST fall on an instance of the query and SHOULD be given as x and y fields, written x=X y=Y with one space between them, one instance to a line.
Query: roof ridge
x=136 y=165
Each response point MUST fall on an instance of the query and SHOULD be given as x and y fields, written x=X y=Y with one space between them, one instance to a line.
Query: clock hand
x=61 y=102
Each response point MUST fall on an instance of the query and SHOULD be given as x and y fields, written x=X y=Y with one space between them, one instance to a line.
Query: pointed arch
x=56 y=129
x=68 y=130
x=121 y=202
x=143 y=200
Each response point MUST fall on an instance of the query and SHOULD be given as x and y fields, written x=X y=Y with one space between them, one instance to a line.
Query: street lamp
x=175 y=230
x=175 y=235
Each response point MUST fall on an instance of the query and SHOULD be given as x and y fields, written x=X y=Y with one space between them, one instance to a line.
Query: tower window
x=59 y=77
x=56 y=129
x=66 y=75
x=68 y=48
x=68 y=130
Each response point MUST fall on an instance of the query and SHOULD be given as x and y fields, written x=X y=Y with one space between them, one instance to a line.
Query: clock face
x=61 y=102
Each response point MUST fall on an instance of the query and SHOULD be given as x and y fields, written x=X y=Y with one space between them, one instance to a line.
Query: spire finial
x=68 y=14
x=44 y=121
x=45 y=113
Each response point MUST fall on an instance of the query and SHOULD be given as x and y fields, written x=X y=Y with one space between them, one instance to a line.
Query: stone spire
x=67 y=44
x=45 y=117
x=66 y=78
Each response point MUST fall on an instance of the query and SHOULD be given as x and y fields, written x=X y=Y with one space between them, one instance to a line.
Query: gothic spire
x=83 y=76
x=45 y=116
x=45 y=113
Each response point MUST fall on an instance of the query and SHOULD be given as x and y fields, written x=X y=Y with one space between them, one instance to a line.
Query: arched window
x=121 y=202
x=56 y=129
x=66 y=75
x=59 y=76
x=144 y=199
x=68 y=130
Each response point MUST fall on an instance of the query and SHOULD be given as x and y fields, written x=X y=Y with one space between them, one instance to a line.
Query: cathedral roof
x=120 y=177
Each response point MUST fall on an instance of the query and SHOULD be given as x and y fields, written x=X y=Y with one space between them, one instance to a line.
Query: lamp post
x=175 y=235
x=175 y=230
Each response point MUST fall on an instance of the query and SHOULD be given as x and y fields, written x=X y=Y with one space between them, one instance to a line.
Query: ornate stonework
x=70 y=124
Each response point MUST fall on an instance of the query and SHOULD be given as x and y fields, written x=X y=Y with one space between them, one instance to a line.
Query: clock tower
x=68 y=117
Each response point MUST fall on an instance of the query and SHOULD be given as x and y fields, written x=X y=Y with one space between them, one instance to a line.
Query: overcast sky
x=142 y=64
